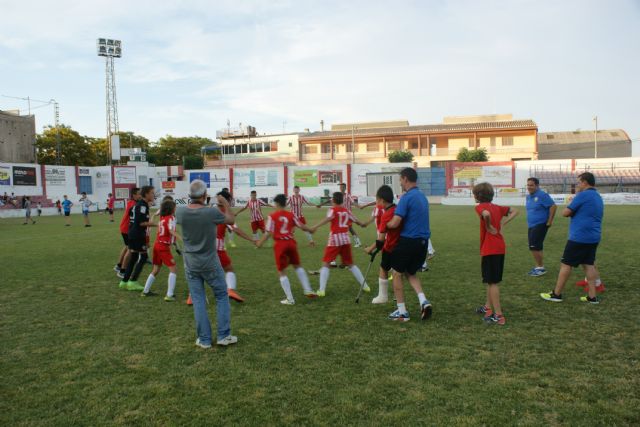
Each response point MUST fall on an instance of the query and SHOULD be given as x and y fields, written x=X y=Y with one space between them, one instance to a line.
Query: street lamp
x=110 y=49
x=595 y=139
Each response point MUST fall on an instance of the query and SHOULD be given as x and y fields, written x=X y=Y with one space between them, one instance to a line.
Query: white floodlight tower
x=111 y=49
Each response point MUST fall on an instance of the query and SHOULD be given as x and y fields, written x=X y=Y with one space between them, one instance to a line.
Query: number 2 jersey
x=341 y=220
x=281 y=225
x=166 y=227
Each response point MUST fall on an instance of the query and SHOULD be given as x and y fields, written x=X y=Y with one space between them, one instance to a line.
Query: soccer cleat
x=320 y=294
x=366 y=288
x=168 y=298
x=333 y=264
x=425 y=310
x=400 y=317
x=287 y=302
x=483 y=309
x=582 y=283
x=537 y=272
x=357 y=244
x=490 y=319
x=148 y=294
x=311 y=295
x=431 y=255
x=134 y=286
x=116 y=268
x=202 y=345
x=595 y=300
x=228 y=340
x=189 y=302
x=120 y=274
x=380 y=299
x=122 y=284
x=233 y=244
x=234 y=295
x=313 y=272
x=425 y=267
x=551 y=296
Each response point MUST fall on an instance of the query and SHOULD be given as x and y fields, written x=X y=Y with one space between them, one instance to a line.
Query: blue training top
x=413 y=208
x=66 y=205
x=586 y=222
x=538 y=205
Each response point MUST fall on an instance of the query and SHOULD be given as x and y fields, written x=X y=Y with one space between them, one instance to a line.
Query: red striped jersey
x=347 y=201
x=281 y=224
x=254 y=208
x=166 y=225
x=296 y=202
x=341 y=220
x=221 y=231
x=377 y=214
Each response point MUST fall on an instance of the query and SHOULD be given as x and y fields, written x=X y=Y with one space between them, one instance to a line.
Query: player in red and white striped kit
x=339 y=242
x=165 y=237
x=225 y=261
x=348 y=203
x=280 y=226
x=257 y=220
x=296 y=201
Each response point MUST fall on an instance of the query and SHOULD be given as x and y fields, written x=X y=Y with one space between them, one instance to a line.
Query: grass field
x=76 y=350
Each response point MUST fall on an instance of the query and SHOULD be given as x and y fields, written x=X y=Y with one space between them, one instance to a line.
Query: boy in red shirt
x=124 y=232
x=280 y=226
x=339 y=242
x=386 y=241
x=492 y=249
x=165 y=237
x=225 y=261
x=257 y=220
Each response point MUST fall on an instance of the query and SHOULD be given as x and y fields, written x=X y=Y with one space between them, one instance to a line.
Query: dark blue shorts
x=576 y=253
x=537 y=233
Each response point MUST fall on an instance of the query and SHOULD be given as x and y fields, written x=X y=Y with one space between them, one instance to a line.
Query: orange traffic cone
x=189 y=302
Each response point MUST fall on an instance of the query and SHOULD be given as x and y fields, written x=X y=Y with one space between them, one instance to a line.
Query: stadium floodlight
x=110 y=49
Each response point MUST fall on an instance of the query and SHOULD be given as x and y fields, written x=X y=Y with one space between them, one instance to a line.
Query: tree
x=400 y=156
x=465 y=155
x=171 y=150
x=193 y=162
x=74 y=148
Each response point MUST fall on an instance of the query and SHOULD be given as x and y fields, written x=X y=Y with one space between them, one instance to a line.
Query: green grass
x=76 y=350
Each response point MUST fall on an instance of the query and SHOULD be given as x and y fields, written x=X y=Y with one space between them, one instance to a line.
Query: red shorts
x=331 y=253
x=225 y=261
x=257 y=225
x=286 y=253
x=163 y=256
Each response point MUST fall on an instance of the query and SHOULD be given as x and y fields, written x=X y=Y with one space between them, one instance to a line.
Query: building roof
x=459 y=127
x=583 y=136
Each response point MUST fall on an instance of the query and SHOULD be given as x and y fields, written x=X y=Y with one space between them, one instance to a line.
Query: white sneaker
x=357 y=244
x=202 y=345
x=287 y=302
x=380 y=299
x=228 y=340
x=116 y=268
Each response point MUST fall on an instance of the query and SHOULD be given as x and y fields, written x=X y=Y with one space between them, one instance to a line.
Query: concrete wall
x=17 y=138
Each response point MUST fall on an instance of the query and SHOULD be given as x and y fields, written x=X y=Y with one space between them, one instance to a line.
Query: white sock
x=309 y=236
x=357 y=274
x=230 y=235
x=324 y=278
x=383 y=285
x=402 y=308
x=421 y=297
x=171 y=289
x=150 y=280
x=231 y=280
x=304 y=279
x=430 y=247
x=286 y=286
x=598 y=282
x=255 y=236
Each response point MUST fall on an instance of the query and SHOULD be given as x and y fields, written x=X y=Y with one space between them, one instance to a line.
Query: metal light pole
x=353 y=144
x=111 y=49
x=595 y=138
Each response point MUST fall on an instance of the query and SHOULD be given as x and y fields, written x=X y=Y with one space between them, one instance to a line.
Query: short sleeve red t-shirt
x=281 y=224
x=124 y=223
x=392 y=235
x=491 y=244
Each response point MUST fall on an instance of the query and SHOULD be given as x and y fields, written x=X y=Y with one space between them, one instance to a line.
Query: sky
x=280 y=65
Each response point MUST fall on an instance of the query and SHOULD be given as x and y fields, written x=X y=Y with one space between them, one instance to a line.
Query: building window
x=310 y=149
x=550 y=136
x=243 y=148
x=394 y=145
x=290 y=144
x=413 y=145
x=274 y=145
x=373 y=147
x=325 y=148
x=471 y=143
x=267 y=147
x=507 y=141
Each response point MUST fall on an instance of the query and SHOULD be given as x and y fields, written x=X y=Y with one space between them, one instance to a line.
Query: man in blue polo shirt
x=540 y=212
x=585 y=230
x=412 y=214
